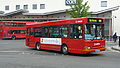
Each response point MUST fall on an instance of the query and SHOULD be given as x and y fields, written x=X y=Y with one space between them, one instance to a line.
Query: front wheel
x=64 y=49
x=38 y=46
x=13 y=37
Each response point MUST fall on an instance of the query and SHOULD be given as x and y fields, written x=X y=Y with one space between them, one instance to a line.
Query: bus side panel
x=1 y=32
x=17 y=35
x=74 y=45
x=50 y=44
x=35 y=40
x=31 y=41
x=5 y=32
x=51 y=47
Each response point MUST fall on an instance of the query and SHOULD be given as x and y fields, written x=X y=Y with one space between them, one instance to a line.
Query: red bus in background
x=81 y=35
x=13 y=29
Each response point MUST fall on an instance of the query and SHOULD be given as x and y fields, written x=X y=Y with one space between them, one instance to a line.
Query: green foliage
x=79 y=9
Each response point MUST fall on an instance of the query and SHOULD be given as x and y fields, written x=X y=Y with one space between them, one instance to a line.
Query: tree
x=79 y=9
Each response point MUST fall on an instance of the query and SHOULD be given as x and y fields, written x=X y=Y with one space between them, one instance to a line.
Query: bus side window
x=22 y=31
x=46 y=31
x=54 y=32
x=39 y=32
x=7 y=24
x=29 y=31
x=76 y=31
x=63 y=31
x=1 y=24
x=12 y=31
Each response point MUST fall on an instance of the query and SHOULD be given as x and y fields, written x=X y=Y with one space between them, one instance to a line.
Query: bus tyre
x=13 y=37
x=64 y=49
x=38 y=46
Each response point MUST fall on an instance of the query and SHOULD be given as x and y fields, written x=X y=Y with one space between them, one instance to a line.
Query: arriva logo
x=95 y=44
x=79 y=21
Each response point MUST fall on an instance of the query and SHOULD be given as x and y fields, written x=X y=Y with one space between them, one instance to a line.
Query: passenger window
x=54 y=32
x=30 y=31
x=64 y=31
x=39 y=32
x=22 y=31
x=46 y=31
x=76 y=31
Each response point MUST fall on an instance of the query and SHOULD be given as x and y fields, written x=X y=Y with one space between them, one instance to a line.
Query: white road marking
x=14 y=51
x=18 y=52
x=3 y=43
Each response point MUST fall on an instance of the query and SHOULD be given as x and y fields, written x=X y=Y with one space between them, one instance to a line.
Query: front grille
x=95 y=47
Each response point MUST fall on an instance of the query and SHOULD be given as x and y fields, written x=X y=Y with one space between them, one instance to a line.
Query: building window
x=42 y=6
x=25 y=7
x=34 y=6
x=17 y=7
x=103 y=3
x=6 y=7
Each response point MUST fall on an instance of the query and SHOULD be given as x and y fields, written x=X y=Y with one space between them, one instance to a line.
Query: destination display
x=94 y=20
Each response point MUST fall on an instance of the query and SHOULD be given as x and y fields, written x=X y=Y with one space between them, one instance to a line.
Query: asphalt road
x=14 y=54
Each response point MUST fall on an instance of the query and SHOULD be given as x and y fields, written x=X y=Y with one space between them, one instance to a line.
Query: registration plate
x=97 y=50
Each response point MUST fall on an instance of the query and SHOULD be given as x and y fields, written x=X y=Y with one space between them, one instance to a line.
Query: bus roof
x=60 y=22
x=15 y=22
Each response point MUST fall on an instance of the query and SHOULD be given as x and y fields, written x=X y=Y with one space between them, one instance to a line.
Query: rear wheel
x=38 y=46
x=64 y=49
x=13 y=37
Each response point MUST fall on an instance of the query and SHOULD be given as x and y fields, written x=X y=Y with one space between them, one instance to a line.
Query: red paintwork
x=5 y=29
x=74 y=45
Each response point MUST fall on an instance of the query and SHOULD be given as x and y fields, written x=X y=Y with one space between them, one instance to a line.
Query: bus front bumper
x=93 y=50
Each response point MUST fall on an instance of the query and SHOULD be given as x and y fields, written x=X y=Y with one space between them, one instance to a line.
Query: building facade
x=46 y=10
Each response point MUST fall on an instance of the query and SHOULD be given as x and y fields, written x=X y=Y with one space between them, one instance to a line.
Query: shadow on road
x=87 y=55
x=50 y=52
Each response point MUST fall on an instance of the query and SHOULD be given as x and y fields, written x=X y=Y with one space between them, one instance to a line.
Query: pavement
x=113 y=45
x=116 y=48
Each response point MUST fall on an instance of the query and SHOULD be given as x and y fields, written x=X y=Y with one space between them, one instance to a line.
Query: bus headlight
x=86 y=47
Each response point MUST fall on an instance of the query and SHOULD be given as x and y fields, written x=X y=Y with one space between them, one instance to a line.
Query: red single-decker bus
x=80 y=35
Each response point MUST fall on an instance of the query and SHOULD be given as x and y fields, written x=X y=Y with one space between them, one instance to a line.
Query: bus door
x=76 y=37
x=30 y=37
